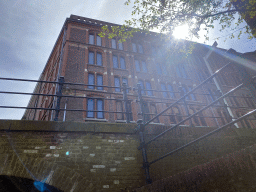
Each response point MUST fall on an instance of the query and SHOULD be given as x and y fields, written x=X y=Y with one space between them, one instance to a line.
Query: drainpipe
x=59 y=70
x=205 y=58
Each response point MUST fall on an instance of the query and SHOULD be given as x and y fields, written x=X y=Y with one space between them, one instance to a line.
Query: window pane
x=185 y=91
x=120 y=46
x=159 y=70
x=148 y=86
x=134 y=48
x=163 y=87
x=183 y=71
x=98 y=40
x=91 y=57
x=153 y=51
x=122 y=63
x=113 y=41
x=140 y=48
x=126 y=82
x=99 y=108
x=90 y=108
x=99 y=59
x=115 y=63
x=119 y=108
x=91 y=80
x=142 y=86
x=91 y=39
x=178 y=71
x=137 y=65
x=117 y=84
x=192 y=95
x=99 y=81
x=153 y=110
x=170 y=89
x=164 y=70
x=144 y=66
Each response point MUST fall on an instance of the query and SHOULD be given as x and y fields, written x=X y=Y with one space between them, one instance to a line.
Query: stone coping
x=103 y=127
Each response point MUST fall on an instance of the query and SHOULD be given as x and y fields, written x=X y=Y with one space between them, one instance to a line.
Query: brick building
x=80 y=55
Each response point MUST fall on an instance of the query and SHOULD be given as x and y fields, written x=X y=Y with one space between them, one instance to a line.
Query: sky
x=29 y=29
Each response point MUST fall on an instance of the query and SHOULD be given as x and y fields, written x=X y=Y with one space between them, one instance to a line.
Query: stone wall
x=103 y=156
x=72 y=156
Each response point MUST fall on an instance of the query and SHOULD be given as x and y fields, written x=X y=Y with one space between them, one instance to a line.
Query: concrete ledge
x=25 y=125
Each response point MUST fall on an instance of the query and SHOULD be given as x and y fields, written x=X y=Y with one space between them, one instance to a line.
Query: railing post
x=141 y=102
x=59 y=95
x=185 y=104
x=140 y=128
x=127 y=112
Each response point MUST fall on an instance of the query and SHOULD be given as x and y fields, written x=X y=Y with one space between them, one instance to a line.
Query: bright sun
x=181 y=32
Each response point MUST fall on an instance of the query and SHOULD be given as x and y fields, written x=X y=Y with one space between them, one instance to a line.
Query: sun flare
x=181 y=32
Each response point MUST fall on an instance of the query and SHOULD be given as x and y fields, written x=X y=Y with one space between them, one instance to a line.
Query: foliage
x=165 y=15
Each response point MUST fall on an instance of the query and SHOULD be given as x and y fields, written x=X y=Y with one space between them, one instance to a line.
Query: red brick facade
x=82 y=58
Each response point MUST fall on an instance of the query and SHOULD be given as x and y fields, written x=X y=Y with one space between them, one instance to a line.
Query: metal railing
x=143 y=100
x=59 y=95
x=217 y=102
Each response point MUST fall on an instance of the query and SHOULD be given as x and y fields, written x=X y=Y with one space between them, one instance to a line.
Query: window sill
x=143 y=72
x=124 y=121
x=95 y=119
x=96 y=90
x=120 y=69
x=152 y=123
x=95 y=65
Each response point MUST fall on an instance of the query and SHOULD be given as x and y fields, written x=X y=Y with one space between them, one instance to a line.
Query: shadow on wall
x=18 y=184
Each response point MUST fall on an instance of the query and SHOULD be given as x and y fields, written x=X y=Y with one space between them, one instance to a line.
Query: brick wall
x=233 y=172
x=104 y=156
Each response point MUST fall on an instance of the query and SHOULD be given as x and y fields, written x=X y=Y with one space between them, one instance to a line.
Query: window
x=137 y=65
x=91 y=39
x=148 y=86
x=98 y=40
x=142 y=87
x=195 y=118
x=91 y=57
x=120 y=46
x=91 y=80
x=164 y=70
x=177 y=113
x=154 y=110
x=113 y=43
x=117 y=84
x=203 y=122
x=144 y=66
x=119 y=108
x=192 y=94
x=140 y=48
x=99 y=82
x=115 y=62
x=99 y=59
x=170 y=89
x=181 y=72
x=158 y=68
x=91 y=108
x=99 y=108
x=134 y=48
x=163 y=87
x=211 y=96
x=122 y=63
x=184 y=89
x=153 y=51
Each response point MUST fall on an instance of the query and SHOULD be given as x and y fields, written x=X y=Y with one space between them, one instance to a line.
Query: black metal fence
x=247 y=82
